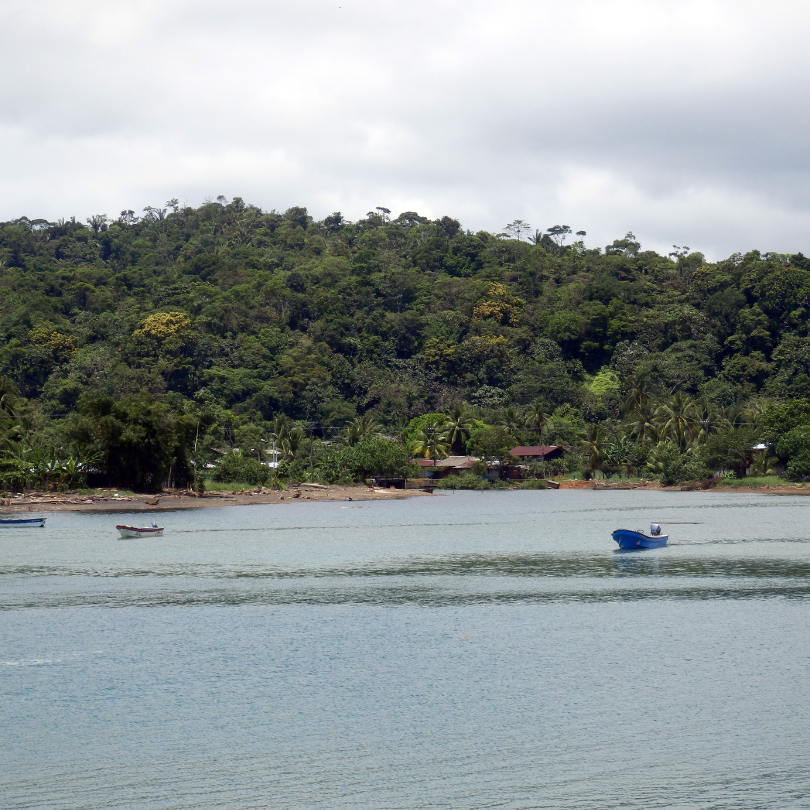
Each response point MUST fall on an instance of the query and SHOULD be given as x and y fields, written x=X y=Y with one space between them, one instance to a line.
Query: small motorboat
x=136 y=531
x=627 y=538
x=22 y=523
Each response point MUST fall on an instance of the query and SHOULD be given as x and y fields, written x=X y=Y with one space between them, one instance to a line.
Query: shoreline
x=173 y=501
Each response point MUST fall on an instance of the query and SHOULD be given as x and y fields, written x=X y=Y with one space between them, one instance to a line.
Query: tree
x=676 y=419
x=559 y=233
x=593 y=447
x=517 y=228
x=513 y=420
x=781 y=419
x=731 y=450
x=377 y=457
x=9 y=394
x=457 y=428
x=430 y=442
x=708 y=421
x=286 y=435
x=358 y=430
x=136 y=438
x=641 y=423
x=794 y=447
x=536 y=416
x=492 y=443
x=98 y=222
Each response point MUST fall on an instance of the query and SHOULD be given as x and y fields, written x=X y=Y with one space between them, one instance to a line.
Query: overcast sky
x=685 y=122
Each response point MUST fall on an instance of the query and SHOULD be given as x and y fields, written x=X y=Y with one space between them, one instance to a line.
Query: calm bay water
x=462 y=651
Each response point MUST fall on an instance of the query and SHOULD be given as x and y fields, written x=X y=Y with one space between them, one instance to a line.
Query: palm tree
x=593 y=447
x=736 y=416
x=641 y=425
x=676 y=419
x=536 y=417
x=754 y=412
x=764 y=463
x=513 y=421
x=8 y=396
x=286 y=435
x=458 y=427
x=358 y=429
x=708 y=420
x=639 y=395
x=430 y=442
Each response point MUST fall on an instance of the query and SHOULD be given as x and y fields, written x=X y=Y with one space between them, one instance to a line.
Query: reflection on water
x=460 y=651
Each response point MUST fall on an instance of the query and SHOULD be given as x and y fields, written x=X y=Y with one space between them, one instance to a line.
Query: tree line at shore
x=186 y=343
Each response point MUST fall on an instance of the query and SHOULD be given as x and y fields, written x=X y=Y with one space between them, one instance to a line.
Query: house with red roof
x=543 y=452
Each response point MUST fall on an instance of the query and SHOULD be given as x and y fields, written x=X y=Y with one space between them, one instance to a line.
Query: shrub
x=794 y=447
x=370 y=457
x=238 y=467
x=467 y=480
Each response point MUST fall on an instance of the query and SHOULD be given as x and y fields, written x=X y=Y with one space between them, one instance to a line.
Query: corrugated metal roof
x=457 y=461
x=536 y=450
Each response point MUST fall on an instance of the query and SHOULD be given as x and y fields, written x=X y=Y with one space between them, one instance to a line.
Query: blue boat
x=22 y=523
x=627 y=538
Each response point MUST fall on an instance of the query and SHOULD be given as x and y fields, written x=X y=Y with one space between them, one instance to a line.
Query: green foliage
x=794 y=447
x=781 y=419
x=136 y=439
x=418 y=424
x=492 y=443
x=160 y=343
x=671 y=466
x=467 y=480
x=368 y=458
x=237 y=467
x=603 y=382
x=731 y=450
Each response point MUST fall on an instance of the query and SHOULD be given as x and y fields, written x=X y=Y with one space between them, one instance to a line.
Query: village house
x=452 y=465
x=541 y=452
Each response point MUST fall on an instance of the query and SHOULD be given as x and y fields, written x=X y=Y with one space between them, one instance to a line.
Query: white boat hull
x=133 y=531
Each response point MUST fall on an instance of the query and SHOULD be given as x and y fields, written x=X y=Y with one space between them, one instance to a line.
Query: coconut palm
x=286 y=435
x=676 y=419
x=8 y=396
x=754 y=412
x=736 y=416
x=431 y=442
x=764 y=463
x=458 y=427
x=512 y=420
x=639 y=394
x=536 y=416
x=592 y=445
x=362 y=427
x=708 y=420
x=641 y=425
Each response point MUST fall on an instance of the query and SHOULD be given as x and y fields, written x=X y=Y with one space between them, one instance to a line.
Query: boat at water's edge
x=627 y=538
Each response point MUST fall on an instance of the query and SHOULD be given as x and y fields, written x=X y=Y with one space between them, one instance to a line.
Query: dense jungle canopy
x=152 y=337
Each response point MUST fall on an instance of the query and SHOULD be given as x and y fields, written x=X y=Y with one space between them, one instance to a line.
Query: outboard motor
x=655 y=530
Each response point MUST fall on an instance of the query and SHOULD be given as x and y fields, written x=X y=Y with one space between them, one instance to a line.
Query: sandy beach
x=169 y=501
x=111 y=501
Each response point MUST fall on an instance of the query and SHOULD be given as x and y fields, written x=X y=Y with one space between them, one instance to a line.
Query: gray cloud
x=682 y=121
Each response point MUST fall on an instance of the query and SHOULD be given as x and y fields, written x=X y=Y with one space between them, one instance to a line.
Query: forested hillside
x=184 y=333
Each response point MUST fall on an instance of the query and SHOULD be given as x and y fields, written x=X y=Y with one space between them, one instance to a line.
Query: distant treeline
x=146 y=347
